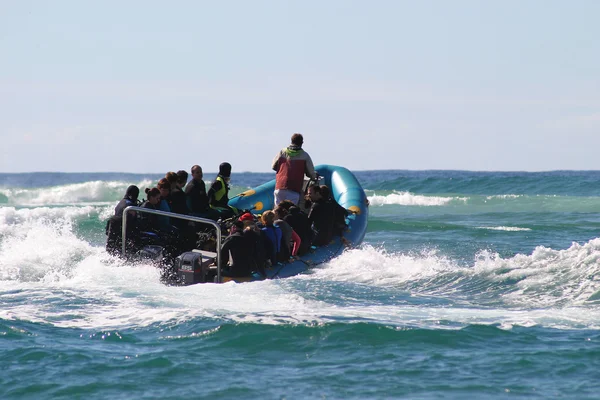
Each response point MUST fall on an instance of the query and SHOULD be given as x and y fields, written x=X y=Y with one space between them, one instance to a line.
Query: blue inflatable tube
x=345 y=189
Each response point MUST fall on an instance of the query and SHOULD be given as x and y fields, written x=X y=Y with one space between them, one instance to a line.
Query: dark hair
x=286 y=204
x=280 y=212
x=238 y=226
x=132 y=192
x=182 y=176
x=225 y=169
x=316 y=188
x=195 y=167
x=297 y=139
x=163 y=184
x=152 y=192
x=325 y=192
x=171 y=177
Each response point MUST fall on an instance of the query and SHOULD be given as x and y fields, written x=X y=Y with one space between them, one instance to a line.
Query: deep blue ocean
x=469 y=285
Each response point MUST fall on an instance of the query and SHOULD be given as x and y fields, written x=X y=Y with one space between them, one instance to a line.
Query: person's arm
x=225 y=251
x=214 y=188
x=275 y=163
x=309 y=168
x=297 y=242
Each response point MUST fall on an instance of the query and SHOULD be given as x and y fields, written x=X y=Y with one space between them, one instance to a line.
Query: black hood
x=225 y=170
x=132 y=193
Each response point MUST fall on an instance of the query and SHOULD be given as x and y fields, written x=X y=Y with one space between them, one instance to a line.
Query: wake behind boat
x=202 y=263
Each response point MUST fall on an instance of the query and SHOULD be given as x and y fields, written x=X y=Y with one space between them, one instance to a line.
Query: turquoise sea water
x=468 y=285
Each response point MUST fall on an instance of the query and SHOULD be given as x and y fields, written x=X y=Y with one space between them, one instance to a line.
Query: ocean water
x=468 y=285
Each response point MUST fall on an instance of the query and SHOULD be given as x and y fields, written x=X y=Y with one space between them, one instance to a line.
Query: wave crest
x=411 y=199
x=95 y=191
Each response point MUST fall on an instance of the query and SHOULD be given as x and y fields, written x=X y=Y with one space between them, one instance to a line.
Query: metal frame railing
x=179 y=216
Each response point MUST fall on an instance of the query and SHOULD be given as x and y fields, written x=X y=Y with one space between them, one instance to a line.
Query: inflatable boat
x=202 y=266
x=345 y=189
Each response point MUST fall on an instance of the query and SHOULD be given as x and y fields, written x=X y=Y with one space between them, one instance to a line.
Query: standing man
x=291 y=164
x=195 y=191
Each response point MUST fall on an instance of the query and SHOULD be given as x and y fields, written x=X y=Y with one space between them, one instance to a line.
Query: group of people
x=174 y=194
x=253 y=243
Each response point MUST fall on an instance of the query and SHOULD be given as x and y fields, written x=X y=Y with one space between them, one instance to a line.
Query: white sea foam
x=546 y=278
x=49 y=275
x=504 y=228
x=505 y=196
x=410 y=199
x=90 y=192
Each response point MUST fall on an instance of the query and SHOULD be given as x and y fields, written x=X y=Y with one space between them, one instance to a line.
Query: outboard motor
x=196 y=266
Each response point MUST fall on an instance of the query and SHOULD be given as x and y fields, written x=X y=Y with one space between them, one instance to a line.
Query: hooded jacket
x=291 y=164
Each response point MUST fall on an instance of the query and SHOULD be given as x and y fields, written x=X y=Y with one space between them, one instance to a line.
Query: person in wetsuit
x=320 y=216
x=298 y=220
x=339 y=213
x=218 y=194
x=177 y=198
x=114 y=226
x=195 y=191
x=242 y=252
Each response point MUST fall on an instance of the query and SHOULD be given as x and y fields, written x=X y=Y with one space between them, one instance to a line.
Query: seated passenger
x=182 y=177
x=114 y=226
x=177 y=200
x=195 y=191
x=149 y=222
x=165 y=190
x=298 y=220
x=320 y=216
x=153 y=231
x=339 y=213
x=273 y=234
x=218 y=194
x=241 y=250
x=258 y=240
x=290 y=241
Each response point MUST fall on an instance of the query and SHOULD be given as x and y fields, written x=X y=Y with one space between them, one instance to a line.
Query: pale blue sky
x=148 y=86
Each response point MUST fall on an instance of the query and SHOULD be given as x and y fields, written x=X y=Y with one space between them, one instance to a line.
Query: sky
x=154 y=86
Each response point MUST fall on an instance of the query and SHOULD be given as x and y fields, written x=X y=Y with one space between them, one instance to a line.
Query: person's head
x=325 y=192
x=238 y=226
x=250 y=224
x=197 y=172
x=164 y=186
x=286 y=204
x=153 y=195
x=297 y=139
x=171 y=177
x=314 y=193
x=268 y=217
x=132 y=193
x=182 y=177
x=280 y=212
x=225 y=170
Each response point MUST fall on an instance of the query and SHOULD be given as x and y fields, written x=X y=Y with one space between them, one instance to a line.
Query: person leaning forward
x=291 y=164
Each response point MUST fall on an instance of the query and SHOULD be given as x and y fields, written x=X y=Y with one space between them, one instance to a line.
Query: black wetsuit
x=196 y=197
x=242 y=252
x=114 y=226
x=321 y=218
x=339 y=218
x=298 y=220
x=178 y=202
